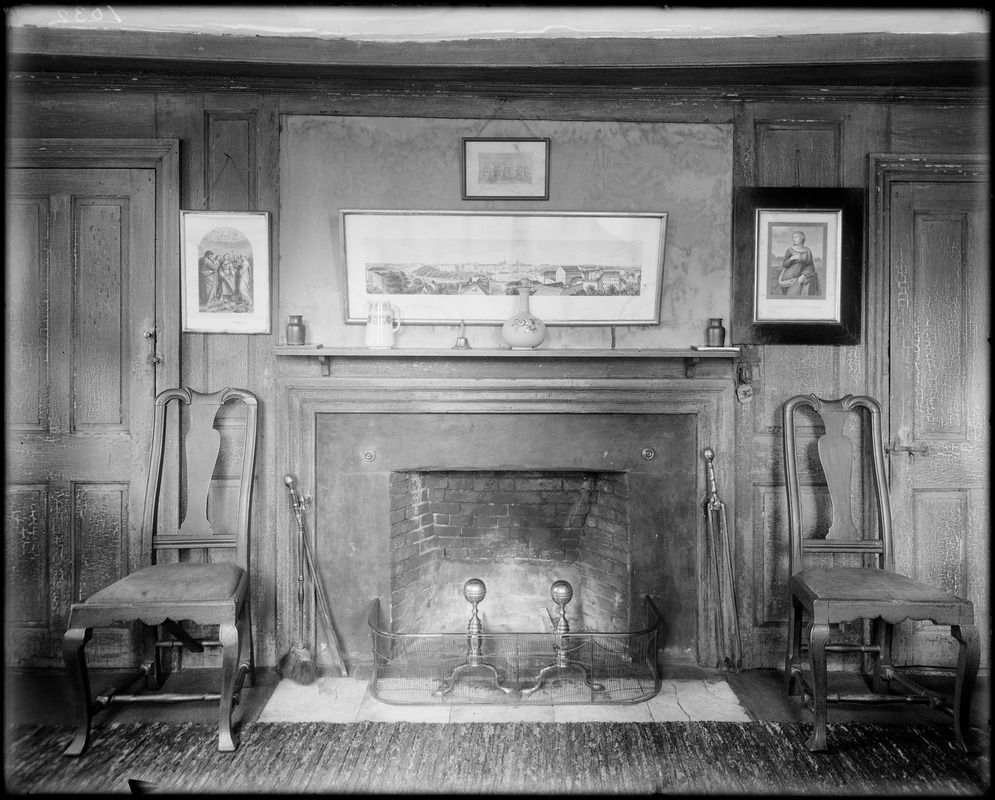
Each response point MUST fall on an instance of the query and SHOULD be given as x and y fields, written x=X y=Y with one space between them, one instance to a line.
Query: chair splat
x=836 y=452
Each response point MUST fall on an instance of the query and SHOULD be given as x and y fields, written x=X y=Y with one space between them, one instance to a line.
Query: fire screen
x=511 y=668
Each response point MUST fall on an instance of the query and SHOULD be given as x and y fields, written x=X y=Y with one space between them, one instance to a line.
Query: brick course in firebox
x=518 y=528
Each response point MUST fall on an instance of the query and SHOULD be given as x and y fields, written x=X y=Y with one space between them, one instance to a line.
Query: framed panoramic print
x=225 y=271
x=505 y=169
x=444 y=267
x=799 y=263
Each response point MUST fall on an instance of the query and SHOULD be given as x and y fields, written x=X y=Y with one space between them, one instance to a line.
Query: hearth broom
x=298 y=665
x=723 y=576
x=319 y=589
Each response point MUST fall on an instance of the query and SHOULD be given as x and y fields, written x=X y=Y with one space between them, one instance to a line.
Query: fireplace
x=567 y=471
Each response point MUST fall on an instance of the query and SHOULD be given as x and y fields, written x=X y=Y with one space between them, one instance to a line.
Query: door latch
x=150 y=336
x=912 y=450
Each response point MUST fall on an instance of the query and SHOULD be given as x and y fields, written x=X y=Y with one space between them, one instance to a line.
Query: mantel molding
x=689 y=357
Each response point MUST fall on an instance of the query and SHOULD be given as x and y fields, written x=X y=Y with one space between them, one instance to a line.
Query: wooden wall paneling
x=270 y=493
x=815 y=138
x=592 y=104
x=754 y=646
x=906 y=126
x=943 y=128
x=97 y=115
x=230 y=175
x=226 y=153
x=866 y=131
x=180 y=116
x=799 y=152
x=800 y=144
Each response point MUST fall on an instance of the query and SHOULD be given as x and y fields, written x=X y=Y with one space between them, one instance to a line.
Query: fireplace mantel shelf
x=326 y=354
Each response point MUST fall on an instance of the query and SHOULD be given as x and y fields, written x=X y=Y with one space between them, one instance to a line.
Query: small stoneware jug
x=382 y=322
x=715 y=333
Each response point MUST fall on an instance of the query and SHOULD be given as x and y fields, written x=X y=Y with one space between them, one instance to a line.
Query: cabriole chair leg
x=968 y=660
x=230 y=640
x=73 y=644
x=817 y=638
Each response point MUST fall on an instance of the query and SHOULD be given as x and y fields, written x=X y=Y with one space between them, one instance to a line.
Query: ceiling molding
x=867 y=48
x=882 y=64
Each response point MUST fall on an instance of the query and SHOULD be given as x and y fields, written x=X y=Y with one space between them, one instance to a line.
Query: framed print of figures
x=799 y=259
x=225 y=271
x=505 y=169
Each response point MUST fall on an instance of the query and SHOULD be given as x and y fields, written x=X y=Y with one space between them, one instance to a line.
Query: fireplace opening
x=518 y=531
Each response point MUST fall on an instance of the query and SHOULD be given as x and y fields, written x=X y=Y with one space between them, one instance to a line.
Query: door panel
x=939 y=378
x=80 y=385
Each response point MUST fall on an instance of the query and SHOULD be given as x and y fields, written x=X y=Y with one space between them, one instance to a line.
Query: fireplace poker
x=727 y=612
x=298 y=665
x=298 y=502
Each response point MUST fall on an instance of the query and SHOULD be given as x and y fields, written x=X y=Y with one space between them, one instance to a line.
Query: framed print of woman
x=797 y=261
x=798 y=276
x=798 y=265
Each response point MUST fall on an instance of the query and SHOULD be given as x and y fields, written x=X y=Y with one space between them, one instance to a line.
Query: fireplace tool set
x=723 y=577
x=298 y=665
x=515 y=667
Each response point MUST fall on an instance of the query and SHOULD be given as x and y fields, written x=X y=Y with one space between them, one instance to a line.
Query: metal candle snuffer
x=515 y=668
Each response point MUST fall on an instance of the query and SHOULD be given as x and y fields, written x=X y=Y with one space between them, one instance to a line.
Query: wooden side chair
x=867 y=587
x=161 y=595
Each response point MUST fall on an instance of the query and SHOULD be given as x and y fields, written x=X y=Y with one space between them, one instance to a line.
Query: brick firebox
x=518 y=531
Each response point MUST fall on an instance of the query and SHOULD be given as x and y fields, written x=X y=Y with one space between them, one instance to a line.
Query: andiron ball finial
x=474 y=590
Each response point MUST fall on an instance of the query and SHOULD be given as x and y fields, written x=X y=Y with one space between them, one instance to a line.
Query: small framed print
x=505 y=169
x=225 y=271
x=799 y=259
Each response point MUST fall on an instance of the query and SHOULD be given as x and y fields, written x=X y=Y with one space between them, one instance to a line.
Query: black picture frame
x=504 y=168
x=763 y=217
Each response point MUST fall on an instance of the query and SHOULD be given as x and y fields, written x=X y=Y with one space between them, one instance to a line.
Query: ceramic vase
x=295 y=330
x=524 y=330
x=715 y=333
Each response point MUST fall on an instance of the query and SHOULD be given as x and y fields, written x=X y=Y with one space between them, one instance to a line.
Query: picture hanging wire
x=504 y=102
x=248 y=194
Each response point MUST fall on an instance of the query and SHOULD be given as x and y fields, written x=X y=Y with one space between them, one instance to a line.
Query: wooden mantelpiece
x=689 y=357
x=383 y=411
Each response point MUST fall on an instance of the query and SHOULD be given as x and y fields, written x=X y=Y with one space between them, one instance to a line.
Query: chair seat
x=173 y=583
x=864 y=587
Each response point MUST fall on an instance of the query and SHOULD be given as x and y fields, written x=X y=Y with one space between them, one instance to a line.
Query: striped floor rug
x=499 y=758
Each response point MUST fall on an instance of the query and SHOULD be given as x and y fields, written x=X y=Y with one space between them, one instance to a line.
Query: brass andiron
x=474 y=591
x=562 y=593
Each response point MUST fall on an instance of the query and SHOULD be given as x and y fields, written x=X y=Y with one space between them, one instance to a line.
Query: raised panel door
x=80 y=381
x=940 y=398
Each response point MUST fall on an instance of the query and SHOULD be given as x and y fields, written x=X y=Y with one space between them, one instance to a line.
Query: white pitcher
x=382 y=322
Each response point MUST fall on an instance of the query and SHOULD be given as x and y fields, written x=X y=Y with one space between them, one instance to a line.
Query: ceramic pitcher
x=382 y=322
